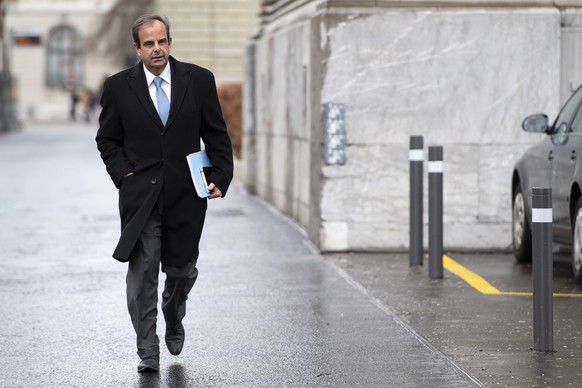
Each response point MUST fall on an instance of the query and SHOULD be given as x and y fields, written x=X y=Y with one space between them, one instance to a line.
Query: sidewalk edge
x=356 y=285
x=386 y=310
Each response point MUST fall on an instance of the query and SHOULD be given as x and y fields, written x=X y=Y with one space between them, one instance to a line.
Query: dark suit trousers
x=142 y=286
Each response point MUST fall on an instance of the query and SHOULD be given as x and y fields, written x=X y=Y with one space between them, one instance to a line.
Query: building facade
x=57 y=46
x=8 y=119
x=335 y=89
x=49 y=55
x=212 y=33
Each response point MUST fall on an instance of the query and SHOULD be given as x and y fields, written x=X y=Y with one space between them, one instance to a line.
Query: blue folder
x=197 y=162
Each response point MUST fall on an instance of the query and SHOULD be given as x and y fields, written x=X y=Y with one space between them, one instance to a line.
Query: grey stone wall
x=462 y=77
x=281 y=134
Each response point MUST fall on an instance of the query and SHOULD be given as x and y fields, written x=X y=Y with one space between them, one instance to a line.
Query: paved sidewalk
x=490 y=336
x=267 y=311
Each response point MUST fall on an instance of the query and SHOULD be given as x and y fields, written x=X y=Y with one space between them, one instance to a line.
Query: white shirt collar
x=166 y=75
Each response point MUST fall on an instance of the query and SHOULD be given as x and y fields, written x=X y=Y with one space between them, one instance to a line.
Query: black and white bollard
x=435 y=212
x=543 y=271
x=416 y=158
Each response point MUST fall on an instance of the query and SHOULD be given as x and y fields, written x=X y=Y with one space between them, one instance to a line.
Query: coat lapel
x=137 y=82
x=180 y=80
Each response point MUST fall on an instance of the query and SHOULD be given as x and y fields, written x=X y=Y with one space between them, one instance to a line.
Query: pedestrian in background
x=153 y=115
x=87 y=104
x=74 y=97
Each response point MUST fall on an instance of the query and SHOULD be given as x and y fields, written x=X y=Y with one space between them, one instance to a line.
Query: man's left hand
x=214 y=191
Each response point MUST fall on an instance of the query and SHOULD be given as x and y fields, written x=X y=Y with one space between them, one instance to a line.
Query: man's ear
x=137 y=49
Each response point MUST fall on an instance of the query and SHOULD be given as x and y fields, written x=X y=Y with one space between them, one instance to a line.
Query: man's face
x=155 y=46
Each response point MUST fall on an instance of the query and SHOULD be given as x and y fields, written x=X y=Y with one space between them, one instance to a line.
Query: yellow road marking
x=482 y=285
x=474 y=280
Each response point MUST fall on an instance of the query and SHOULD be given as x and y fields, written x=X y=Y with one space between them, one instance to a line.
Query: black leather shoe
x=175 y=339
x=149 y=365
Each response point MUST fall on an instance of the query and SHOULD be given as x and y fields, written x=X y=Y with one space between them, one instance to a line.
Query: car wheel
x=577 y=244
x=521 y=231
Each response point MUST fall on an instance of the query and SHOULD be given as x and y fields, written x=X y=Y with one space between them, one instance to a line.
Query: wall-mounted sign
x=335 y=133
x=26 y=38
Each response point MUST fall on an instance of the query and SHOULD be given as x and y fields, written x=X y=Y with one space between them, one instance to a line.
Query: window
x=562 y=124
x=64 y=51
x=577 y=123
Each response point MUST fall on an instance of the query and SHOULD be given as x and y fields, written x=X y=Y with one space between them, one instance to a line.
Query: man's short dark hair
x=145 y=19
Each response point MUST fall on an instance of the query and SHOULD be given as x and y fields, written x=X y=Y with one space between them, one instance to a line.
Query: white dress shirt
x=166 y=75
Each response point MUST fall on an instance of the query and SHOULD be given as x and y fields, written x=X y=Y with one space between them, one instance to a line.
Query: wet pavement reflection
x=267 y=310
x=491 y=336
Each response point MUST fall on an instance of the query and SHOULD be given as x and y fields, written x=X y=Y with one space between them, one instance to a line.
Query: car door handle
x=551 y=155
x=574 y=155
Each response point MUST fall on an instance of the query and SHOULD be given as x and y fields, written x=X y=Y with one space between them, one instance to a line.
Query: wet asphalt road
x=267 y=310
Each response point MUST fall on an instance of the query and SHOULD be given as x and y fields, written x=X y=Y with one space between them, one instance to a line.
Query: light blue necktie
x=162 y=100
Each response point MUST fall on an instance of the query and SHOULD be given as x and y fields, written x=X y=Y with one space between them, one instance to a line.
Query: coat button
x=153 y=181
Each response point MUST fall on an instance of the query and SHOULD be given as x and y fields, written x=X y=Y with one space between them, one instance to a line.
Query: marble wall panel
x=473 y=74
x=497 y=166
x=370 y=190
x=282 y=134
x=464 y=79
x=482 y=236
x=376 y=236
x=262 y=168
x=461 y=189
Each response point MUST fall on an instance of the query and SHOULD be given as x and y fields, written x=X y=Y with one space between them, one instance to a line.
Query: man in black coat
x=154 y=114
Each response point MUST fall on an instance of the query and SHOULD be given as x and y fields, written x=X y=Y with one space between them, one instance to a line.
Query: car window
x=577 y=122
x=564 y=119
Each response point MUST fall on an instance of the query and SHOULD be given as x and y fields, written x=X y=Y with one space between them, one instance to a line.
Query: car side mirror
x=537 y=123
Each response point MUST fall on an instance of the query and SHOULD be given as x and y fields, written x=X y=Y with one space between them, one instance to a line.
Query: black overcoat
x=131 y=137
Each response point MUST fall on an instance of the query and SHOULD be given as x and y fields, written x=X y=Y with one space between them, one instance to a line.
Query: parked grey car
x=554 y=162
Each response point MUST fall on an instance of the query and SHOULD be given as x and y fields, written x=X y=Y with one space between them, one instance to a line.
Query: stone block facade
x=212 y=33
x=463 y=74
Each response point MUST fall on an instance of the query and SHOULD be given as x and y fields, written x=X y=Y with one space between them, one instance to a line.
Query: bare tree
x=2 y=13
x=113 y=36
x=4 y=57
